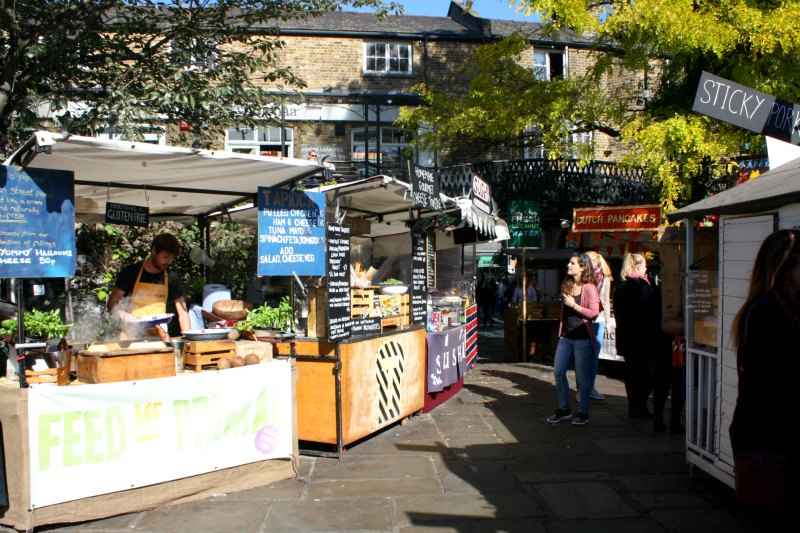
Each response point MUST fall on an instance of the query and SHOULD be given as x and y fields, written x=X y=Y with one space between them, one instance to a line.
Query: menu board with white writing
x=291 y=233
x=338 y=259
x=419 y=277
x=37 y=223
x=425 y=188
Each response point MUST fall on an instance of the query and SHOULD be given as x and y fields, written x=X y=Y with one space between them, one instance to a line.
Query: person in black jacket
x=637 y=308
x=766 y=333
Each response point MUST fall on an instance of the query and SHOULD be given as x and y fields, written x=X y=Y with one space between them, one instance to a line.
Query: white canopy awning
x=171 y=181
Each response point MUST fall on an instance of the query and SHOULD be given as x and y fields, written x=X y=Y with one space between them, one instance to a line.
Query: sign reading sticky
x=628 y=218
x=291 y=233
x=481 y=194
x=104 y=438
x=747 y=108
x=37 y=223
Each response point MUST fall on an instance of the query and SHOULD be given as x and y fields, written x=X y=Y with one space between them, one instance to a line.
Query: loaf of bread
x=230 y=309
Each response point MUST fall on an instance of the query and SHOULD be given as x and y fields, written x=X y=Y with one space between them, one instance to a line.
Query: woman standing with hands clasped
x=581 y=304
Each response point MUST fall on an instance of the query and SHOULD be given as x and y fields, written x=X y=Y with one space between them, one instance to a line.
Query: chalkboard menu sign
x=338 y=259
x=425 y=188
x=419 y=277
x=37 y=223
x=366 y=325
x=291 y=233
x=127 y=215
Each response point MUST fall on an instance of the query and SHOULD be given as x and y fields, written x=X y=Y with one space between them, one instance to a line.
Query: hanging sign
x=419 y=278
x=446 y=358
x=525 y=224
x=627 y=218
x=425 y=188
x=127 y=215
x=481 y=194
x=338 y=259
x=37 y=223
x=291 y=233
x=747 y=108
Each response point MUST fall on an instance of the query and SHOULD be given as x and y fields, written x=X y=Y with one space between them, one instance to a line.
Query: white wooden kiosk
x=77 y=453
x=715 y=291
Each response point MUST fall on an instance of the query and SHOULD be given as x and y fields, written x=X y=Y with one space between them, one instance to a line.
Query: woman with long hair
x=581 y=303
x=603 y=280
x=766 y=334
x=638 y=314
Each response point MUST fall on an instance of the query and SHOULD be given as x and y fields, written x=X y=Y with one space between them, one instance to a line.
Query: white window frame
x=253 y=146
x=546 y=65
x=387 y=56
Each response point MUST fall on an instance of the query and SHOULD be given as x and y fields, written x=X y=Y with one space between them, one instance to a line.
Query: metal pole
x=21 y=355
x=524 y=307
x=378 y=137
x=366 y=140
x=283 y=127
x=337 y=376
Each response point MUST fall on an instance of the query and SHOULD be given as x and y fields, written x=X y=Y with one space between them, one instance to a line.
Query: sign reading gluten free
x=291 y=233
x=747 y=108
x=626 y=218
x=37 y=223
x=127 y=215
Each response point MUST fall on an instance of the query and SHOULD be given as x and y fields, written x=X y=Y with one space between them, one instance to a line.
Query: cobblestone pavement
x=485 y=461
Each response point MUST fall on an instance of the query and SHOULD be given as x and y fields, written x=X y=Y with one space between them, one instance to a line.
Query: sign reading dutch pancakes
x=627 y=218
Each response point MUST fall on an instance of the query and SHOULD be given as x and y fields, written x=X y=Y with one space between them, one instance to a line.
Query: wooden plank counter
x=382 y=377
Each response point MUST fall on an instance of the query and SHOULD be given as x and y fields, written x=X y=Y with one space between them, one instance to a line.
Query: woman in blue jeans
x=581 y=304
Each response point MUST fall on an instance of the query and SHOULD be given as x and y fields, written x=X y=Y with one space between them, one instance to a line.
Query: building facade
x=360 y=70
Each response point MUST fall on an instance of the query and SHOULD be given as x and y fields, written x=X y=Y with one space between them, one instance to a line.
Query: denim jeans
x=582 y=353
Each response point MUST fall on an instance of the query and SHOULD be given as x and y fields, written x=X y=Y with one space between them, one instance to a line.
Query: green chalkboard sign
x=525 y=224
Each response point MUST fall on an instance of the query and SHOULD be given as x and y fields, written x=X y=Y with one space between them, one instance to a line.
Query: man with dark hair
x=150 y=288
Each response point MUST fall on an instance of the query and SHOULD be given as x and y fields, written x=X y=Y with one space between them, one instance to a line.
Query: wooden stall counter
x=382 y=380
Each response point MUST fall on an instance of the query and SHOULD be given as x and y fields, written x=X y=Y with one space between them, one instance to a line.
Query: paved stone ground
x=485 y=461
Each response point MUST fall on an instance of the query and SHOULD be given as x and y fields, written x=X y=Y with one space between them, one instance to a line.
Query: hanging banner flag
x=127 y=215
x=481 y=194
x=37 y=223
x=747 y=108
x=626 y=218
x=291 y=233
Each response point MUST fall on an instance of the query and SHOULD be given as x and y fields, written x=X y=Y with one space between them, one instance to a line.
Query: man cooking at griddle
x=151 y=289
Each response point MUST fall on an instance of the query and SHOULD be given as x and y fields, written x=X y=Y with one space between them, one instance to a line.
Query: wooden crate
x=404 y=318
x=121 y=365
x=362 y=302
x=199 y=355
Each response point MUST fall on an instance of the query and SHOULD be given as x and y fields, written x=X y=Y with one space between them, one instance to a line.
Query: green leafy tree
x=122 y=63
x=673 y=41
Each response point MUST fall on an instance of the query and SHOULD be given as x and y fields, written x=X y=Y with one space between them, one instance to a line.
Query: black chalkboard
x=127 y=215
x=419 y=278
x=425 y=188
x=366 y=326
x=338 y=260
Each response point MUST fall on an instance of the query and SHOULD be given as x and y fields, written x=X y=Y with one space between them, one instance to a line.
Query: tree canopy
x=752 y=42
x=122 y=63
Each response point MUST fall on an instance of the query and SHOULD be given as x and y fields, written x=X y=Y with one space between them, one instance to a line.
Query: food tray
x=206 y=334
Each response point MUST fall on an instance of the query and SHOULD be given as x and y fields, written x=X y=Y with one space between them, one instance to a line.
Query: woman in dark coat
x=637 y=308
x=766 y=333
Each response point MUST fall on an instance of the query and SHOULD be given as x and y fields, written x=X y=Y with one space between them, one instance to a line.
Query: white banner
x=96 y=439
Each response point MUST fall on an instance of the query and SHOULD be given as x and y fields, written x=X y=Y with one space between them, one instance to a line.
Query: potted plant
x=40 y=326
x=267 y=321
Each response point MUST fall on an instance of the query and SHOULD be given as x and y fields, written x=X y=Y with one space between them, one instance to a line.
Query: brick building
x=360 y=70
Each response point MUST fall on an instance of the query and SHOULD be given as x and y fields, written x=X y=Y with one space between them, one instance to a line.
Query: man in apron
x=145 y=289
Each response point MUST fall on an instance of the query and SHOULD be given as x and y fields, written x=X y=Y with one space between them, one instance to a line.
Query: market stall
x=134 y=430
x=715 y=291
